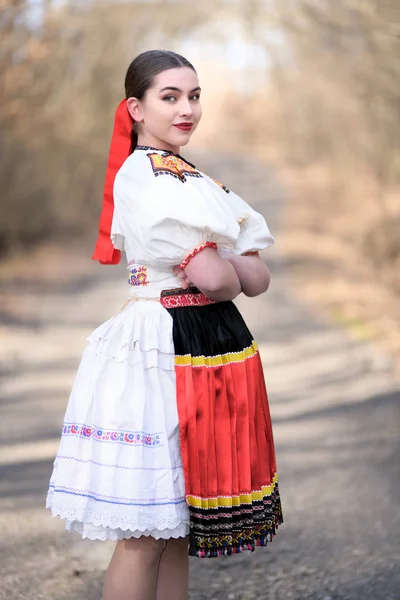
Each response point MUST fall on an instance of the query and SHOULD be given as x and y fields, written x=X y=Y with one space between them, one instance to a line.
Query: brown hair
x=142 y=71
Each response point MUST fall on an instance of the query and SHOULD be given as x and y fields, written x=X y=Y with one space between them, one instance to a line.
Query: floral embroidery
x=134 y=438
x=138 y=276
x=195 y=251
x=169 y=164
x=221 y=185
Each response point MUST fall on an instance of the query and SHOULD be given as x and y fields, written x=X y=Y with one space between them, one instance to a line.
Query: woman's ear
x=134 y=109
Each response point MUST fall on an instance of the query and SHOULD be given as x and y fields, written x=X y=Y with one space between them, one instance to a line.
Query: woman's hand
x=252 y=271
x=180 y=274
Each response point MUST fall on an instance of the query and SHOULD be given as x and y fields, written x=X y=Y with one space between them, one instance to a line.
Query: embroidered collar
x=167 y=152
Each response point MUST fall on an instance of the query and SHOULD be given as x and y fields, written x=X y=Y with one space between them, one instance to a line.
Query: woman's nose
x=186 y=108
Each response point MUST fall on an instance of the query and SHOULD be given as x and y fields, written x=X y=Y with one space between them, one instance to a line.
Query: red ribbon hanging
x=120 y=148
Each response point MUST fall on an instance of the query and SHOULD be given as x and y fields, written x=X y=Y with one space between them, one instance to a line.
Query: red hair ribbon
x=119 y=152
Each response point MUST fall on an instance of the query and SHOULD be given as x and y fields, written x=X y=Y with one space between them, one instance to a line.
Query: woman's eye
x=171 y=98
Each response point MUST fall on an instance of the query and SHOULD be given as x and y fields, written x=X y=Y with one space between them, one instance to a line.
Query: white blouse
x=166 y=210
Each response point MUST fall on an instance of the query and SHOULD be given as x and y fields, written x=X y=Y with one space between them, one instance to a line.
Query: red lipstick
x=184 y=126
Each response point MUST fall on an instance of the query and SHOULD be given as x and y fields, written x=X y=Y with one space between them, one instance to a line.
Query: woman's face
x=170 y=110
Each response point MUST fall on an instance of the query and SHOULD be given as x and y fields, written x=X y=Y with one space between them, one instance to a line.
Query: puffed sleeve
x=254 y=233
x=162 y=221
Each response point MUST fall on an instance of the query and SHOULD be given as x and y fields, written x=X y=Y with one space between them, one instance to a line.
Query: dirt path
x=336 y=417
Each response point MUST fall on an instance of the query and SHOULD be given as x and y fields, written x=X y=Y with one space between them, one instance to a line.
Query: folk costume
x=167 y=431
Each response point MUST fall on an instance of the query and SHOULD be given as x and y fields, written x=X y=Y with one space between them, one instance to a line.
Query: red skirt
x=226 y=436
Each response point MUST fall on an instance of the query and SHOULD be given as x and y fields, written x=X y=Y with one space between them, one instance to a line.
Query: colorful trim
x=216 y=361
x=195 y=251
x=233 y=543
x=166 y=153
x=138 y=276
x=251 y=253
x=170 y=164
x=179 y=300
x=135 y=438
x=249 y=498
x=223 y=530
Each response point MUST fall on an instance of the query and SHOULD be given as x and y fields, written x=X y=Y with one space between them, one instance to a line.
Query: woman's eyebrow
x=175 y=89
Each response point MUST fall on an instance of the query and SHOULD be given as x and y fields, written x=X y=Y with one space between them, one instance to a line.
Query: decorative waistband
x=177 y=297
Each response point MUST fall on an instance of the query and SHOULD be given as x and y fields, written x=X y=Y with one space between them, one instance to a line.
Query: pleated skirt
x=167 y=431
x=226 y=439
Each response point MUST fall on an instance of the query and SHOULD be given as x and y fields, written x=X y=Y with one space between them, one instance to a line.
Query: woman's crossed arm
x=225 y=277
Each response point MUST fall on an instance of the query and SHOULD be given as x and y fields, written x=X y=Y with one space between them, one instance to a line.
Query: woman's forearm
x=225 y=287
x=215 y=277
x=252 y=273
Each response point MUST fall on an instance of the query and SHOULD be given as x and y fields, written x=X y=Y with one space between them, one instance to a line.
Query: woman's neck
x=153 y=142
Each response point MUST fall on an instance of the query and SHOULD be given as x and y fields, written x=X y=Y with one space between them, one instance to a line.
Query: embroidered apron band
x=178 y=297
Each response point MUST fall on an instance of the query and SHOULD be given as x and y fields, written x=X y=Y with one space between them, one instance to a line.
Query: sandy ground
x=335 y=408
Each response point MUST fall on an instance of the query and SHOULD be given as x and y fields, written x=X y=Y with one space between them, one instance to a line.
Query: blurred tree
x=63 y=71
x=333 y=97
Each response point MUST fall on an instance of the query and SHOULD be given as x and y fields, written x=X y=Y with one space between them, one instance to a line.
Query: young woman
x=167 y=443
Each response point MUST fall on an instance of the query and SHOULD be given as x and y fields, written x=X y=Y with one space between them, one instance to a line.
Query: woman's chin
x=184 y=143
x=182 y=139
